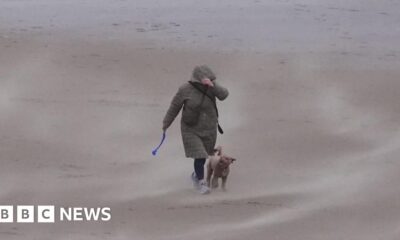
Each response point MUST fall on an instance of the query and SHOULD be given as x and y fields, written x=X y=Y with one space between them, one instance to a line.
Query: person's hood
x=200 y=72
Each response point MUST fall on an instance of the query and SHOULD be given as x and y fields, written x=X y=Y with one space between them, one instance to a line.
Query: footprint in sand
x=74 y=176
x=141 y=30
x=175 y=24
x=9 y=233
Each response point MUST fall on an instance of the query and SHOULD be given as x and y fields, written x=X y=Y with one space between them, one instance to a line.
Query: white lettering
x=92 y=213
x=106 y=212
x=78 y=214
x=67 y=214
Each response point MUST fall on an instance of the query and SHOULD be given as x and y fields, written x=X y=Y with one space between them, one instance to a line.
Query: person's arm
x=174 y=108
x=220 y=92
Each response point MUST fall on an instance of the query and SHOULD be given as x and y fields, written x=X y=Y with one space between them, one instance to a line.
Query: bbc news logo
x=48 y=214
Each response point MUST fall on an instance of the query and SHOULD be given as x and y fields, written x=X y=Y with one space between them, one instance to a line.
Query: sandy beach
x=313 y=117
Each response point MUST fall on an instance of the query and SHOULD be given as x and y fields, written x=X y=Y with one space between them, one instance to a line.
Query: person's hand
x=207 y=82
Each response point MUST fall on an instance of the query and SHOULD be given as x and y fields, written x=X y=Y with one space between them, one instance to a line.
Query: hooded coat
x=198 y=140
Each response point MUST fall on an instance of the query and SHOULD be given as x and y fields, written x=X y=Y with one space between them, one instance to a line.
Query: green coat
x=198 y=140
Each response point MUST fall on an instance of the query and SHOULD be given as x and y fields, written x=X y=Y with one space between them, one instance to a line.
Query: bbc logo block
x=6 y=214
x=27 y=214
x=45 y=214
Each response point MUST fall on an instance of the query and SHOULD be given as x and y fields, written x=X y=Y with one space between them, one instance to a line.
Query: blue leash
x=154 y=152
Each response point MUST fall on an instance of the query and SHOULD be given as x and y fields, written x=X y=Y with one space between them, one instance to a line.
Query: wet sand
x=312 y=117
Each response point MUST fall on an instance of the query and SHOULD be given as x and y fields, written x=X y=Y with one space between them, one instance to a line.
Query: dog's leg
x=224 y=178
x=214 y=182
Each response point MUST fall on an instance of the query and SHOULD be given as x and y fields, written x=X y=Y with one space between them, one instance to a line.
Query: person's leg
x=199 y=170
x=199 y=167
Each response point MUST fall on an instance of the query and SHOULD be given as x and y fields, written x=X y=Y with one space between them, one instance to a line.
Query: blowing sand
x=313 y=117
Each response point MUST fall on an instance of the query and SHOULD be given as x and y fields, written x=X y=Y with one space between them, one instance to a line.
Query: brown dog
x=218 y=167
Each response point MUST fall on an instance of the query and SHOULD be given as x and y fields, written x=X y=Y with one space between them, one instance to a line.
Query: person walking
x=199 y=121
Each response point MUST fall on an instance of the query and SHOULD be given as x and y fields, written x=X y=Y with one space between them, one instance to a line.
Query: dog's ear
x=218 y=149
x=216 y=152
